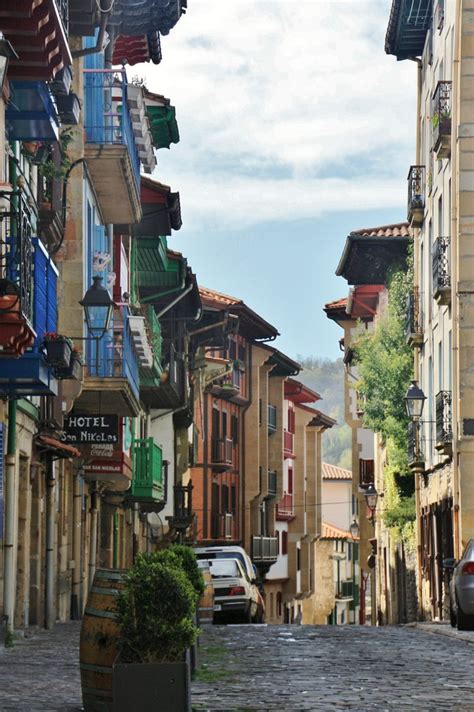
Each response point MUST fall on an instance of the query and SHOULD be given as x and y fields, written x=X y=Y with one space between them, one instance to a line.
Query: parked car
x=206 y=602
x=236 y=552
x=235 y=598
x=461 y=588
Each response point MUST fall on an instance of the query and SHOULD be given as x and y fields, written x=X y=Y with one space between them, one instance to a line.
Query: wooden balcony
x=147 y=481
x=110 y=148
x=221 y=453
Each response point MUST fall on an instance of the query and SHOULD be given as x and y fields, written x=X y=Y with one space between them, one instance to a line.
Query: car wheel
x=247 y=616
x=452 y=616
x=464 y=622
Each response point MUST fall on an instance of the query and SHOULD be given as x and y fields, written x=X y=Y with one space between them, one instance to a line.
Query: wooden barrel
x=99 y=640
x=206 y=602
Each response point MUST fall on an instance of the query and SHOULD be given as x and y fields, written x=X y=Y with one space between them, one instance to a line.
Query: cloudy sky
x=295 y=129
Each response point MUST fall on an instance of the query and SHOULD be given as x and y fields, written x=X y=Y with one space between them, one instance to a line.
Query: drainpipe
x=455 y=314
x=102 y=40
x=50 y=558
x=242 y=441
x=175 y=301
x=76 y=549
x=94 y=530
x=10 y=517
x=115 y=551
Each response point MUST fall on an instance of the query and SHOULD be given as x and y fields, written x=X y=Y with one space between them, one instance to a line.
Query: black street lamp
x=371 y=497
x=6 y=53
x=354 y=529
x=98 y=308
x=414 y=401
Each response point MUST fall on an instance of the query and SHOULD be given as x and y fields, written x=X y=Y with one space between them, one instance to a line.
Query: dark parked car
x=461 y=589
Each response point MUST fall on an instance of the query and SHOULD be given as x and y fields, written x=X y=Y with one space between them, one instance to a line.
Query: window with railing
x=107 y=118
x=272 y=482
x=416 y=195
x=285 y=505
x=288 y=442
x=444 y=427
x=442 y=268
x=441 y=118
x=221 y=451
x=366 y=472
x=413 y=324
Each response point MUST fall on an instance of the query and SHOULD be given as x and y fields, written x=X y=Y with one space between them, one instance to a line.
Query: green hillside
x=327 y=378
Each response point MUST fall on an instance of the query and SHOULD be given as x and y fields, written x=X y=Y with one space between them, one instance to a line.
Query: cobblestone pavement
x=293 y=668
x=41 y=673
x=284 y=668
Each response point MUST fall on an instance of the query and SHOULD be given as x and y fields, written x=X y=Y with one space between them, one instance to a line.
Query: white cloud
x=272 y=97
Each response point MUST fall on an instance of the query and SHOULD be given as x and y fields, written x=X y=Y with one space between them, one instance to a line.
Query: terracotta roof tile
x=332 y=472
x=395 y=230
x=212 y=295
x=328 y=531
x=336 y=304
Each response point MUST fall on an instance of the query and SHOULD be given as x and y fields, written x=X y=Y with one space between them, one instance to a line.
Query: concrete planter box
x=151 y=687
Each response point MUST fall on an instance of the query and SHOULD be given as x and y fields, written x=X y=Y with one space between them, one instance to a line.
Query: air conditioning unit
x=228 y=522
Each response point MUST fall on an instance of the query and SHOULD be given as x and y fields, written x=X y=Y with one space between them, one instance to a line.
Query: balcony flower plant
x=58 y=349
x=74 y=370
x=155 y=613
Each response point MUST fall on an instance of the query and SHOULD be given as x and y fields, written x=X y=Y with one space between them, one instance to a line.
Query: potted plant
x=58 y=349
x=155 y=615
x=74 y=370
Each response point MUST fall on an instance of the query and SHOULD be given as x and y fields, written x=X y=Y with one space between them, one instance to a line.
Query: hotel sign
x=93 y=430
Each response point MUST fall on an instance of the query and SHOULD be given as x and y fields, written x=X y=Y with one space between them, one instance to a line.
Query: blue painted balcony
x=110 y=147
x=30 y=374
x=112 y=378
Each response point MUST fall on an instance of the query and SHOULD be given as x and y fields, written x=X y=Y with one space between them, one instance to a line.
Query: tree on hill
x=326 y=376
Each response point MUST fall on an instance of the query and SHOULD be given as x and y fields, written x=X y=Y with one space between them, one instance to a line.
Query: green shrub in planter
x=185 y=558
x=155 y=612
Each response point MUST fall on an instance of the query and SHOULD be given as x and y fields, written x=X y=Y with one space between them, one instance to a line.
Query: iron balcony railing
x=63 y=9
x=182 y=507
x=285 y=505
x=442 y=269
x=222 y=451
x=413 y=323
x=16 y=259
x=416 y=195
x=114 y=357
x=222 y=525
x=415 y=452
x=107 y=116
x=441 y=118
x=264 y=548
x=272 y=419
x=444 y=427
x=147 y=480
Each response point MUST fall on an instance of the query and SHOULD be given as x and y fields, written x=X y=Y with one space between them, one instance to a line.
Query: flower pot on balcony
x=58 y=351
x=74 y=370
x=69 y=108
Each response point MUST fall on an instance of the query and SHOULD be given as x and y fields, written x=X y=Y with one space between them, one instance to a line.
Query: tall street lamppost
x=98 y=309
x=414 y=404
x=371 y=496
x=354 y=530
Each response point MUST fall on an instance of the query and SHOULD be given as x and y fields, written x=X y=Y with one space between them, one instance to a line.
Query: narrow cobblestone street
x=285 y=668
